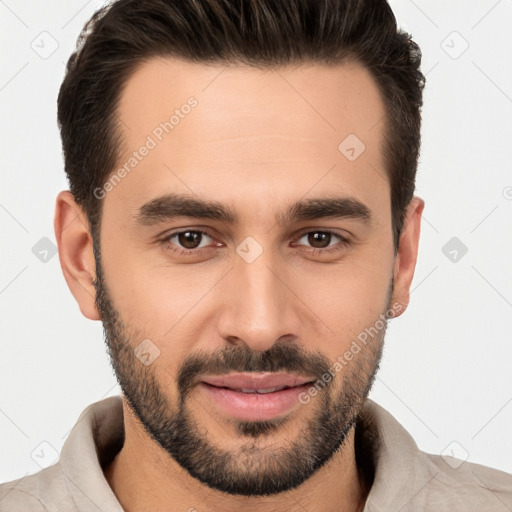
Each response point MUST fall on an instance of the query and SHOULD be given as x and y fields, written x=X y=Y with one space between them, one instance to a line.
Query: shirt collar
x=96 y=437
x=401 y=470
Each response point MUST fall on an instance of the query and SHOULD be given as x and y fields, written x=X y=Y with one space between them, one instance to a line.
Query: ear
x=405 y=261
x=76 y=252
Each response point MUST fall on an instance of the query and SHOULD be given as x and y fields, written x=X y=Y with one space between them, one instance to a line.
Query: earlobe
x=405 y=261
x=76 y=252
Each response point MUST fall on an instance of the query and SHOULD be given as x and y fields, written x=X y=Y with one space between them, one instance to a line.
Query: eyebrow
x=171 y=206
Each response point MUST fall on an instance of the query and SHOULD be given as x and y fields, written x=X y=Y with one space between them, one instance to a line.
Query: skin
x=258 y=141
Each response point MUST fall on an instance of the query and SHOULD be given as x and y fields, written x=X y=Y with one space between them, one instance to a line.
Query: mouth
x=263 y=391
x=255 y=396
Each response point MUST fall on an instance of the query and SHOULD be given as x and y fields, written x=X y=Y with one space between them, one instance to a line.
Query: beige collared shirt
x=405 y=478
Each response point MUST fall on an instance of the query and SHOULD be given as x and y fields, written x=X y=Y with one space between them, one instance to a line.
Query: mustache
x=280 y=357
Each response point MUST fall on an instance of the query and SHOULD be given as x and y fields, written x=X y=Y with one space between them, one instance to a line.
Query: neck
x=144 y=477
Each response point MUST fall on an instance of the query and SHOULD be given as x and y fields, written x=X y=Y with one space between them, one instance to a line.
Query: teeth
x=269 y=390
x=262 y=391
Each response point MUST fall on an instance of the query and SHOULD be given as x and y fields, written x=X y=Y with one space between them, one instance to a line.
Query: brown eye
x=189 y=239
x=323 y=242
x=319 y=239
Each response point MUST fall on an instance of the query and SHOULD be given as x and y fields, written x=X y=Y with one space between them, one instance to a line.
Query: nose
x=259 y=307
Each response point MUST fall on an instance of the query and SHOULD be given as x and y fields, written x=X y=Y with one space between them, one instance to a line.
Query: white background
x=446 y=372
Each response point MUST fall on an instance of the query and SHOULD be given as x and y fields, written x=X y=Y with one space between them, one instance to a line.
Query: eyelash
x=343 y=243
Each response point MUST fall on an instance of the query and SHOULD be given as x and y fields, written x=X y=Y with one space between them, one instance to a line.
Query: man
x=242 y=219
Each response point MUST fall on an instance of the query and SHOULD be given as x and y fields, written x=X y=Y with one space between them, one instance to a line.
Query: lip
x=254 y=381
x=225 y=391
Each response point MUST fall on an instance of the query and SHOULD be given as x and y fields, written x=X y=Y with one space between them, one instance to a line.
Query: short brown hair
x=261 y=33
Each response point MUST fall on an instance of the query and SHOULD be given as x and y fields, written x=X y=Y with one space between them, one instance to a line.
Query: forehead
x=230 y=130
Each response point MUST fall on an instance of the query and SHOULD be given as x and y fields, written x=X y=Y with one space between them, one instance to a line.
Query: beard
x=250 y=469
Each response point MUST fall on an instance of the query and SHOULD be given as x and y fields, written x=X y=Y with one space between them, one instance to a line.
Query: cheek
x=148 y=292
x=172 y=307
x=349 y=296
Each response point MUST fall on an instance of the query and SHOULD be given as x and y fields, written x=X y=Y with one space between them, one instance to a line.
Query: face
x=243 y=250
